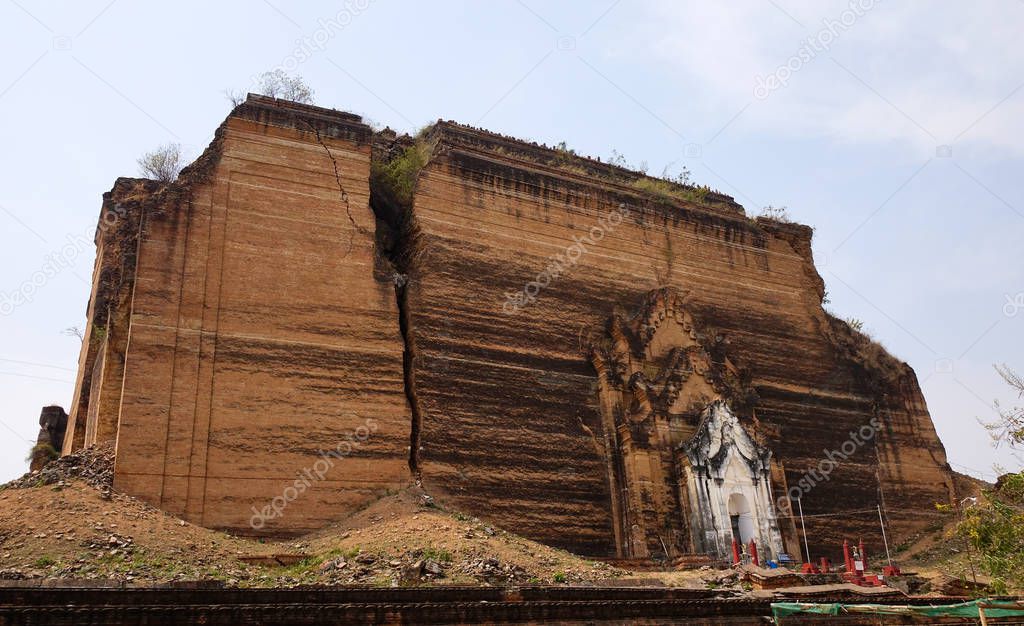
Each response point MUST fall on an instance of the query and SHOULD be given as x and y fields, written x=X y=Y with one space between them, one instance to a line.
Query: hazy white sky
x=894 y=128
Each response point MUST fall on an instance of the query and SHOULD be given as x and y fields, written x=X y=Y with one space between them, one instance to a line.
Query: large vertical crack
x=395 y=163
x=395 y=168
x=409 y=357
x=391 y=183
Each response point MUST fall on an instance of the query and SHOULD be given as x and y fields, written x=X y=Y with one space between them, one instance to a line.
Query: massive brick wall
x=101 y=361
x=244 y=320
x=510 y=425
x=259 y=336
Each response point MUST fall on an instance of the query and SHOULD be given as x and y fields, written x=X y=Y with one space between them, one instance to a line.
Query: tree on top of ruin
x=277 y=84
x=162 y=164
x=777 y=213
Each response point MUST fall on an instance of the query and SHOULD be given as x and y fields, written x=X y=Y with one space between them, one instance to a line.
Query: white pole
x=800 y=504
x=884 y=539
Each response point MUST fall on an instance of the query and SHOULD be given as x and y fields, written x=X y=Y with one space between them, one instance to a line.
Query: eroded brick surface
x=245 y=319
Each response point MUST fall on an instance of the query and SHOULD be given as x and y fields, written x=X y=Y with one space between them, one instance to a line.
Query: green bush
x=433 y=554
x=995 y=528
x=43 y=453
x=397 y=178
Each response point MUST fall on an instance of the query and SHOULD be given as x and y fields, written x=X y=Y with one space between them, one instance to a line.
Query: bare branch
x=162 y=164
x=277 y=84
x=1009 y=427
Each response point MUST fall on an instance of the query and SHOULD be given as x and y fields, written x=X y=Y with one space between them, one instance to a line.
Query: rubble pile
x=493 y=572
x=93 y=465
x=411 y=568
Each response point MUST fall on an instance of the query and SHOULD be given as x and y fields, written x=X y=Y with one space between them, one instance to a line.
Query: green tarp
x=992 y=608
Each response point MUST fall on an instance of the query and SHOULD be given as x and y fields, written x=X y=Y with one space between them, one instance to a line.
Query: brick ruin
x=53 y=422
x=603 y=361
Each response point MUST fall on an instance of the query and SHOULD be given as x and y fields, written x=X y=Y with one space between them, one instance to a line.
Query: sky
x=894 y=128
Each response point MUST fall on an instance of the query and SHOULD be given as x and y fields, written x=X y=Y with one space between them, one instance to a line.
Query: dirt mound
x=72 y=530
x=386 y=541
x=63 y=522
x=54 y=525
x=93 y=465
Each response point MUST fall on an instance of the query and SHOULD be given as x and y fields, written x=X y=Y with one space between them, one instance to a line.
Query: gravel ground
x=65 y=522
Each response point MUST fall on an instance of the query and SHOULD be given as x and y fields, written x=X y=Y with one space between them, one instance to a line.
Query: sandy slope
x=71 y=529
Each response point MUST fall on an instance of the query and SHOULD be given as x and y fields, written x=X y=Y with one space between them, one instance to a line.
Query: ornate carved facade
x=684 y=473
x=727 y=485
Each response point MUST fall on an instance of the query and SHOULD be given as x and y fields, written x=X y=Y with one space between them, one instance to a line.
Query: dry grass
x=881 y=370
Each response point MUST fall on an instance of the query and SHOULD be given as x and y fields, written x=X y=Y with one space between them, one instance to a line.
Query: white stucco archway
x=741 y=519
x=728 y=486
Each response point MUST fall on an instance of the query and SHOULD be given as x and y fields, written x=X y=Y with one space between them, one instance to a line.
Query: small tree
x=777 y=213
x=994 y=526
x=162 y=164
x=234 y=96
x=682 y=178
x=276 y=84
x=617 y=159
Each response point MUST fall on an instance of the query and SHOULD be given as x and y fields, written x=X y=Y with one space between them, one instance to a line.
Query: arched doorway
x=740 y=518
